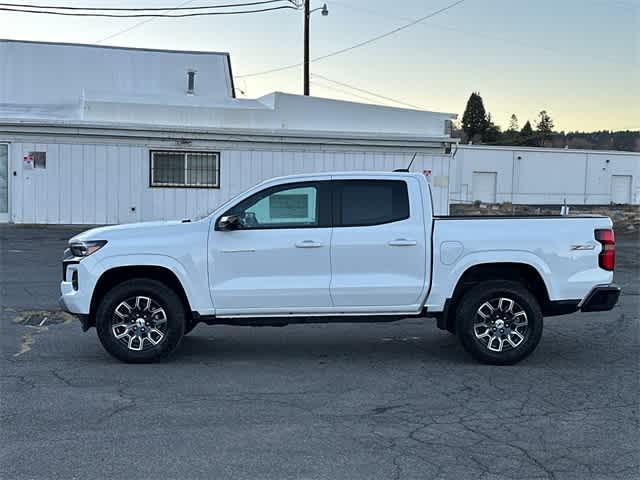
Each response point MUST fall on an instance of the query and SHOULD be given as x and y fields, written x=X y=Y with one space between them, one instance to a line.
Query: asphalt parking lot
x=370 y=401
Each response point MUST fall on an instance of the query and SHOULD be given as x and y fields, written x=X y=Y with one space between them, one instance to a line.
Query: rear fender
x=446 y=278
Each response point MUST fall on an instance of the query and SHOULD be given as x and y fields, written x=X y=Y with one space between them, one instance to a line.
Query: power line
x=140 y=9
x=137 y=24
x=148 y=15
x=368 y=92
x=608 y=3
x=148 y=20
x=476 y=33
x=359 y=44
x=345 y=92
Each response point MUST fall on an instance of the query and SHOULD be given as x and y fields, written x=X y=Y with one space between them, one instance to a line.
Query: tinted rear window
x=371 y=202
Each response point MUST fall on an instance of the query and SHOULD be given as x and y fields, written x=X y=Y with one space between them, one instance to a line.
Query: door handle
x=585 y=246
x=308 y=244
x=402 y=242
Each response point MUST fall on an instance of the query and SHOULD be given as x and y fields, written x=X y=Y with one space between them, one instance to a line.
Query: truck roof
x=352 y=174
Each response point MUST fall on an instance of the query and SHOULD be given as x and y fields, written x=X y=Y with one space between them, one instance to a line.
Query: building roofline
x=354 y=102
x=113 y=47
x=233 y=86
x=88 y=128
x=546 y=150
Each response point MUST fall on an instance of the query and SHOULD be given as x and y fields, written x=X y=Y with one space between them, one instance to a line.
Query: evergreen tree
x=513 y=123
x=474 y=119
x=527 y=131
x=492 y=132
x=544 y=127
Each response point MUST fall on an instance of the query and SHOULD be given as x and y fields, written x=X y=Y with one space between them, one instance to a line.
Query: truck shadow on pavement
x=329 y=348
x=38 y=333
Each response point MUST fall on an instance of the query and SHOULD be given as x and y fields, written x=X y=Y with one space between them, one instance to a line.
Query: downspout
x=586 y=178
x=83 y=103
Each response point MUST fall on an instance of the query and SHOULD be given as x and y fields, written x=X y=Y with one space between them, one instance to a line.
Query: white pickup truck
x=338 y=247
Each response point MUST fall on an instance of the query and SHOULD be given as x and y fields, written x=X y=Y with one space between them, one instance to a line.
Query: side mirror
x=229 y=222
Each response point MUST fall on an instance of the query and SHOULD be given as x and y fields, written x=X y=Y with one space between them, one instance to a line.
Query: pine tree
x=474 y=119
x=527 y=131
x=544 y=127
x=491 y=132
x=513 y=123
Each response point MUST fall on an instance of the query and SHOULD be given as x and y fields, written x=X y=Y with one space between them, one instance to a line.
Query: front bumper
x=602 y=298
x=85 y=321
x=77 y=285
x=73 y=299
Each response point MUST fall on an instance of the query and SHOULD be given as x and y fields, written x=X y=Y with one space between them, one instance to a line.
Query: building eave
x=546 y=149
x=181 y=133
x=114 y=47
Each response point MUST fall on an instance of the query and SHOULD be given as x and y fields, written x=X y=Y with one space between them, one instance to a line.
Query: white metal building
x=95 y=135
x=538 y=176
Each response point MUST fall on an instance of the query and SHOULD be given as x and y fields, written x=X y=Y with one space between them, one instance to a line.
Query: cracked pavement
x=349 y=401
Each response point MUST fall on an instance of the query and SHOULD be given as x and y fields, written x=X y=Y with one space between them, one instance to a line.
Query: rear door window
x=360 y=203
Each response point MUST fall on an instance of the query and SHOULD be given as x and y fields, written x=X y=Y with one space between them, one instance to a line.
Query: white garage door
x=621 y=188
x=484 y=186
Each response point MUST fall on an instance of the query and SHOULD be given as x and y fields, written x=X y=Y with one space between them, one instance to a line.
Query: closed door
x=277 y=258
x=378 y=246
x=621 y=189
x=484 y=186
x=4 y=183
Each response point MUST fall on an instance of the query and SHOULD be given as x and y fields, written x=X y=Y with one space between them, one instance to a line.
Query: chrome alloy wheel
x=139 y=322
x=501 y=324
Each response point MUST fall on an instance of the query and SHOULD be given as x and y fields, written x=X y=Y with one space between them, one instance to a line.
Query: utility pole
x=307 y=15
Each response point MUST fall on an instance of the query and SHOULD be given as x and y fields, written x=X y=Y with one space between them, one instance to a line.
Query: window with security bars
x=39 y=159
x=184 y=169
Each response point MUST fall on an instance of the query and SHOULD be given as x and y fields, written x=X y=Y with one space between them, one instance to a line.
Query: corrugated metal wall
x=109 y=183
x=545 y=176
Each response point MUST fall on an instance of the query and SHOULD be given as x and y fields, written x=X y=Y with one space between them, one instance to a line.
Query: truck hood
x=138 y=230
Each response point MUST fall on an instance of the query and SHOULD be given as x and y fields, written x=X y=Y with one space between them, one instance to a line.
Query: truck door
x=379 y=243
x=277 y=259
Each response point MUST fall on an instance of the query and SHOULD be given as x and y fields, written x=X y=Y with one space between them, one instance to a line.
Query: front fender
x=197 y=292
x=194 y=281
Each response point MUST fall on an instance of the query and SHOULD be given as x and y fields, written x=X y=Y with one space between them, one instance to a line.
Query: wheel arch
x=524 y=273
x=116 y=275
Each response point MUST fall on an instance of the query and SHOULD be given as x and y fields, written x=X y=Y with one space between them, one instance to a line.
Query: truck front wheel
x=140 y=321
x=499 y=322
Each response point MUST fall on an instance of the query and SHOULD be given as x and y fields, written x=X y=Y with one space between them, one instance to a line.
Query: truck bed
x=511 y=217
x=563 y=250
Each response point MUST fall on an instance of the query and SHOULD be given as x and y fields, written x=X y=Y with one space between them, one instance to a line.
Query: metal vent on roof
x=191 y=81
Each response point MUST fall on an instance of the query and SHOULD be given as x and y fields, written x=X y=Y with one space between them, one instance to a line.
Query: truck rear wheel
x=140 y=321
x=499 y=322
x=189 y=327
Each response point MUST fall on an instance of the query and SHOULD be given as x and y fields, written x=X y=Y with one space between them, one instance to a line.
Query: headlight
x=84 y=249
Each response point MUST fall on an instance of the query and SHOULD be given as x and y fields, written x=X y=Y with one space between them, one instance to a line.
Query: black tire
x=190 y=326
x=163 y=297
x=470 y=324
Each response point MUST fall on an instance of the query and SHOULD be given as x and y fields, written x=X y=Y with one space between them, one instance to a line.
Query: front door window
x=283 y=207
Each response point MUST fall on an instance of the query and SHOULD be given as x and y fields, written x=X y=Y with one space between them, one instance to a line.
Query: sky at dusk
x=577 y=59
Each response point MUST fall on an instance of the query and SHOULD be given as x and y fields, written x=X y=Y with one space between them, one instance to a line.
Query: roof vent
x=191 y=81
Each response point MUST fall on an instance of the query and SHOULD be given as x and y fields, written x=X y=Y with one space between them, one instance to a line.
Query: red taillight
x=607 y=257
